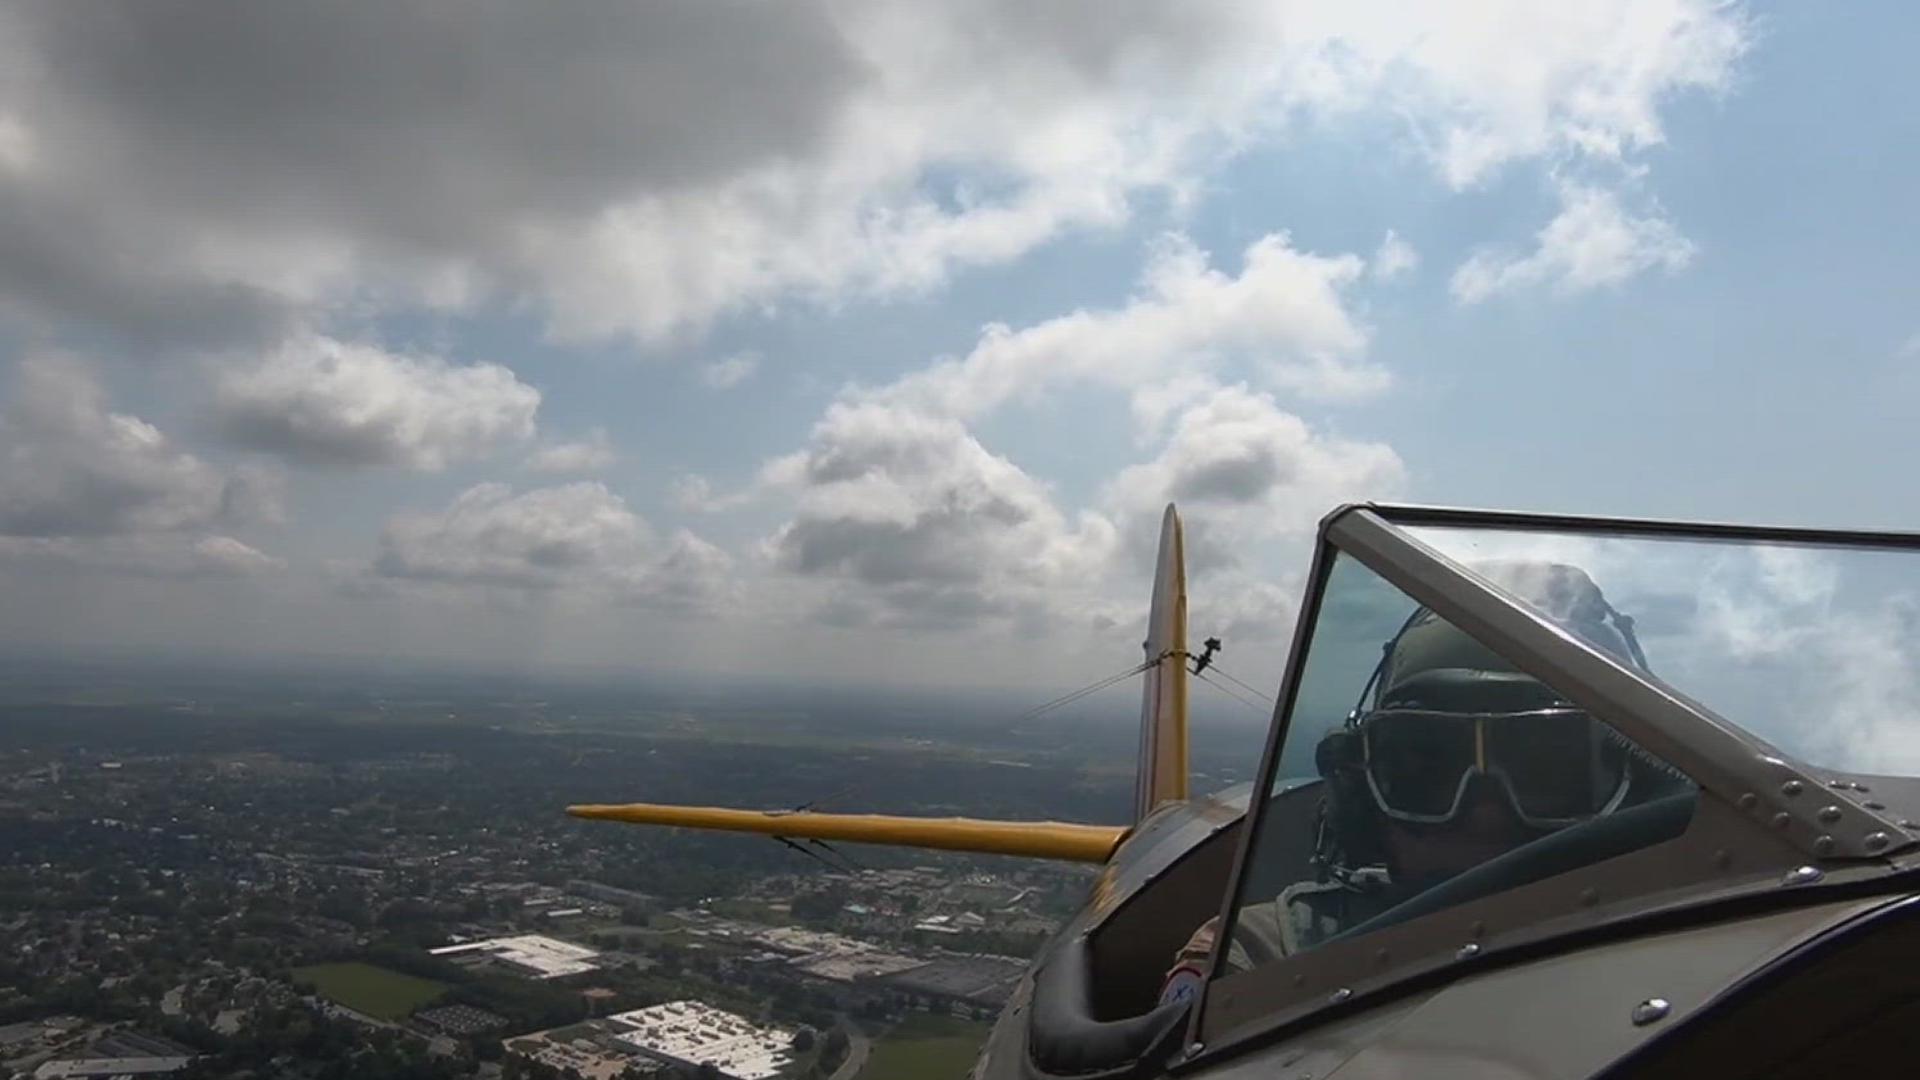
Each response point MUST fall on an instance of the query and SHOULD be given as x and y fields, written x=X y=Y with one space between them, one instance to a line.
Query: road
x=858 y=1046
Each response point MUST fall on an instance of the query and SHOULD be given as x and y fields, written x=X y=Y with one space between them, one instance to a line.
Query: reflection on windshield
x=1812 y=648
x=1438 y=757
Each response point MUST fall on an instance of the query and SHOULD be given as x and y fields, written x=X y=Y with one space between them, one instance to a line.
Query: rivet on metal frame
x=1781 y=820
x=1874 y=841
x=1792 y=788
x=1802 y=875
x=1829 y=814
x=1468 y=951
x=1906 y=824
x=1860 y=787
x=1873 y=804
x=1823 y=845
x=1650 y=1011
x=1194 y=1049
x=1339 y=996
x=1838 y=784
x=1589 y=897
x=1722 y=858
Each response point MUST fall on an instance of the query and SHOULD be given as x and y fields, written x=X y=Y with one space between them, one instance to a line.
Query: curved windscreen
x=1813 y=648
x=1438 y=771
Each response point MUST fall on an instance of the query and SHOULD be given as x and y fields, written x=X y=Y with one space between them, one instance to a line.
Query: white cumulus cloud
x=920 y=524
x=71 y=467
x=1592 y=243
x=1283 y=313
x=1247 y=471
x=84 y=486
x=579 y=536
x=321 y=401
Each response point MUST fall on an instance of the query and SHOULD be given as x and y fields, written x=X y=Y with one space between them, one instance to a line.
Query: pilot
x=1450 y=758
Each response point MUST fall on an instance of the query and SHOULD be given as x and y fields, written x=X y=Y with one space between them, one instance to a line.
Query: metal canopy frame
x=1761 y=812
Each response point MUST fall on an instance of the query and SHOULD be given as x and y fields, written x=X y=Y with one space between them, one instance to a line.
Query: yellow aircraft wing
x=1035 y=839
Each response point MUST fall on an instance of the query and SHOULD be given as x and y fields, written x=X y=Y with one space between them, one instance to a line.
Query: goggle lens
x=1559 y=766
x=1416 y=760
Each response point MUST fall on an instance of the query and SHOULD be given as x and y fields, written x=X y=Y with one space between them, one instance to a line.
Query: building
x=692 y=1033
x=609 y=894
x=589 y=1050
x=460 y=1019
x=121 y=1053
x=532 y=955
x=974 y=985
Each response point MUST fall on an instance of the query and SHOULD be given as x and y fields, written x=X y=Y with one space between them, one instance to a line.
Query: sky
x=867 y=340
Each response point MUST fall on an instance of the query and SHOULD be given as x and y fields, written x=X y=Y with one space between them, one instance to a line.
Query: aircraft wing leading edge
x=1036 y=839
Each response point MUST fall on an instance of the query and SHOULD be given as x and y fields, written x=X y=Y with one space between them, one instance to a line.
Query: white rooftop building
x=699 y=1034
x=544 y=957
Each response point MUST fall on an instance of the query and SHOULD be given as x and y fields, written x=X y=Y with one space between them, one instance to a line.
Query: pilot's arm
x=1262 y=933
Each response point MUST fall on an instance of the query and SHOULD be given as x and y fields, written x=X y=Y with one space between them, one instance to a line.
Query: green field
x=382 y=994
x=926 y=1046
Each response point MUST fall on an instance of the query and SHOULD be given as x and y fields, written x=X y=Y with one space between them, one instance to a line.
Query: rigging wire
x=1076 y=695
x=1254 y=705
x=1268 y=698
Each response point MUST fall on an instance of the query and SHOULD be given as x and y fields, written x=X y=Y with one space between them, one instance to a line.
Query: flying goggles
x=1553 y=766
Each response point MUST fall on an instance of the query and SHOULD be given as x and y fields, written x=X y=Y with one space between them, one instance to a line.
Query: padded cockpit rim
x=1064 y=1039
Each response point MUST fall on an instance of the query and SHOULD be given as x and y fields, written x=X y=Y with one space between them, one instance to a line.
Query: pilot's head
x=1453 y=756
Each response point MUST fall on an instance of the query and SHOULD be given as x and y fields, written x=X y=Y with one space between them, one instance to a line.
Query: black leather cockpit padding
x=1064 y=1039
x=1569 y=849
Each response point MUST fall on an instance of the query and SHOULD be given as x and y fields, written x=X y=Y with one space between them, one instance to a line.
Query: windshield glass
x=1811 y=647
x=1436 y=759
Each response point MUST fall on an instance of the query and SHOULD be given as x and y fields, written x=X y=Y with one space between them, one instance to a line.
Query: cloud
x=1246 y=472
x=912 y=522
x=918 y=524
x=86 y=488
x=325 y=402
x=579 y=537
x=1593 y=242
x=70 y=467
x=694 y=493
x=591 y=454
x=730 y=372
x=1395 y=258
x=160 y=555
x=1283 y=313
x=638 y=171
x=229 y=557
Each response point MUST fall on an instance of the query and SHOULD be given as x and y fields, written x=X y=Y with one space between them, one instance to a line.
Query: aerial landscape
x=200 y=864
x=898 y=539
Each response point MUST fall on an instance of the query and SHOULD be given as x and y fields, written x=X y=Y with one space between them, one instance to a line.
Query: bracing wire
x=1268 y=698
x=1235 y=695
x=1070 y=698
